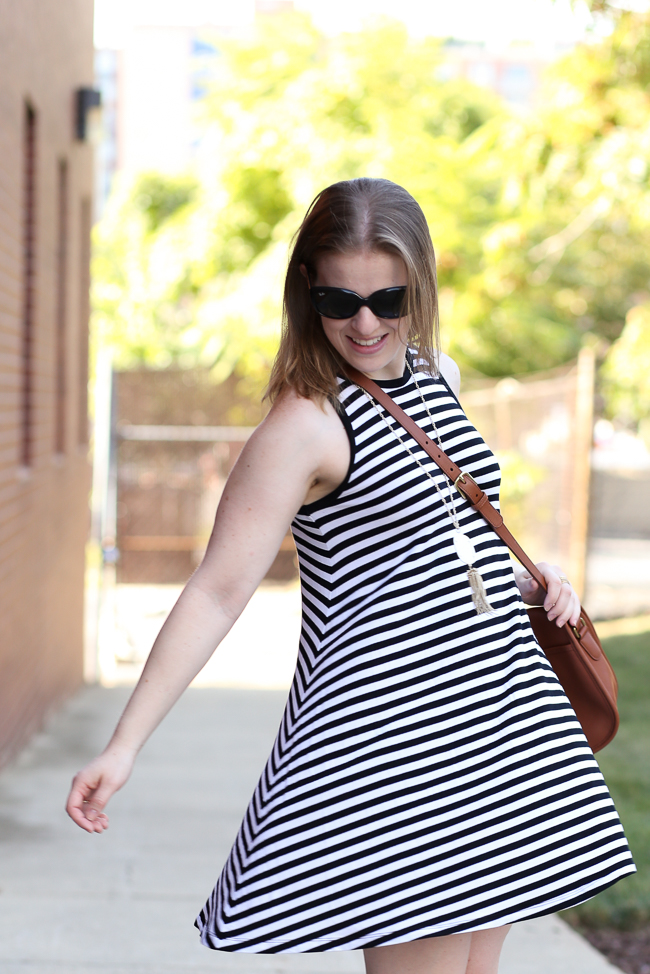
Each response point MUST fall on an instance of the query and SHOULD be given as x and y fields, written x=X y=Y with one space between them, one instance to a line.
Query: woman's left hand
x=560 y=601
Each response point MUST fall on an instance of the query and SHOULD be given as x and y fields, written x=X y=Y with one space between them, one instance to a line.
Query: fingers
x=561 y=603
x=531 y=592
x=95 y=784
x=85 y=804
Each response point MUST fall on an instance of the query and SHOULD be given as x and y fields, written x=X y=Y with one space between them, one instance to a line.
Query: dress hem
x=517 y=916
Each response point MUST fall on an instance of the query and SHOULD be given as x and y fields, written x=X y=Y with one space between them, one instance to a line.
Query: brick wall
x=45 y=55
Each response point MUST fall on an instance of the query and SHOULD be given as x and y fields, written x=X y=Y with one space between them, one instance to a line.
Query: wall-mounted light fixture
x=88 y=111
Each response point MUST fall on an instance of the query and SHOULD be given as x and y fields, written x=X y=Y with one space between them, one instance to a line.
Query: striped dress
x=429 y=775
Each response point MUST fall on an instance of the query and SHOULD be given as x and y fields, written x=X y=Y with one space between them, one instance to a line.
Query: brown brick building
x=46 y=56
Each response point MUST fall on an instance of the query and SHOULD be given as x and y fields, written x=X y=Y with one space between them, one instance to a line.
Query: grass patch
x=625 y=764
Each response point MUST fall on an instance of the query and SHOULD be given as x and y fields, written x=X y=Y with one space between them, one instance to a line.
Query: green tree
x=568 y=253
x=541 y=222
x=191 y=274
x=626 y=373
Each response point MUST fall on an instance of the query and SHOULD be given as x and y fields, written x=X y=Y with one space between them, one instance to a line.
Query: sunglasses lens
x=334 y=302
x=389 y=302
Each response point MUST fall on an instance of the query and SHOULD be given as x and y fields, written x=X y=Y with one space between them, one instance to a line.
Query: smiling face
x=373 y=345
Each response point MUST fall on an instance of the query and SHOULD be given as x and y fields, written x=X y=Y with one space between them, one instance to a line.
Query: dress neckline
x=403 y=380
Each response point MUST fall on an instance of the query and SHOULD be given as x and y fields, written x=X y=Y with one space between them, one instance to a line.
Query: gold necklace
x=464 y=548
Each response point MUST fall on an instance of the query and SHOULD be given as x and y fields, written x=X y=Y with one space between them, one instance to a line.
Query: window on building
x=84 y=316
x=29 y=288
x=60 y=364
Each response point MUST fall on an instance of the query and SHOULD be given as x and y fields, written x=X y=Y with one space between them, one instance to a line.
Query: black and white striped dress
x=429 y=775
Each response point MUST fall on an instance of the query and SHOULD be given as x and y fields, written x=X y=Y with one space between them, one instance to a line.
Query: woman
x=430 y=783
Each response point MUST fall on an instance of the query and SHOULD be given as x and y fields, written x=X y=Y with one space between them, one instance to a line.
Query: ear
x=304 y=272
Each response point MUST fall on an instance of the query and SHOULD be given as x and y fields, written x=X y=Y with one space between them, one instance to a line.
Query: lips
x=366 y=345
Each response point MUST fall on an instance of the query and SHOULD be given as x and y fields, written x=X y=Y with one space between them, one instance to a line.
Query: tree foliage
x=541 y=222
x=626 y=373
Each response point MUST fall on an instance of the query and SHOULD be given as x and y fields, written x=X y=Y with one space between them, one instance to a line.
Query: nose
x=365 y=322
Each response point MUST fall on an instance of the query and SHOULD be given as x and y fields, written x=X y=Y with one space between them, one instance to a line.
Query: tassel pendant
x=479 y=595
x=467 y=553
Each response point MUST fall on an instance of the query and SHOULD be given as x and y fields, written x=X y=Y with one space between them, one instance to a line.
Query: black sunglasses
x=338 y=302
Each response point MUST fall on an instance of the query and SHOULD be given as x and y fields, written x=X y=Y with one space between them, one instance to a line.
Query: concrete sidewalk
x=125 y=902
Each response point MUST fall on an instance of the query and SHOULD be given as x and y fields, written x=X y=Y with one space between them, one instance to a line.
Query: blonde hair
x=348 y=217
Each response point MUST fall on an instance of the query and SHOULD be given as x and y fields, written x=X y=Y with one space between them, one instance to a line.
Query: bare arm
x=296 y=448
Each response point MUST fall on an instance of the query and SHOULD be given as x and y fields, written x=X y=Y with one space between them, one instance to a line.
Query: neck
x=394 y=369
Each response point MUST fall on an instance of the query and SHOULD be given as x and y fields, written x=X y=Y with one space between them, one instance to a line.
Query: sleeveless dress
x=429 y=775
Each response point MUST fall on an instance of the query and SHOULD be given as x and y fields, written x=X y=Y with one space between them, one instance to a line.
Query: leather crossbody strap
x=575 y=653
x=466 y=486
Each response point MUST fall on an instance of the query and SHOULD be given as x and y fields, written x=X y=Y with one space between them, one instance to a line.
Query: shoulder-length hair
x=348 y=217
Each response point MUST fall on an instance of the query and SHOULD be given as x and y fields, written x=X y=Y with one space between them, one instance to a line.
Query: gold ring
x=564 y=579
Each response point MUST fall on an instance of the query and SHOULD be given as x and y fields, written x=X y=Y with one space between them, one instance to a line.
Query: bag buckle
x=462 y=478
x=576 y=632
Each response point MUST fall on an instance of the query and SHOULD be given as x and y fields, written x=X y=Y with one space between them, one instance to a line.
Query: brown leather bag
x=574 y=652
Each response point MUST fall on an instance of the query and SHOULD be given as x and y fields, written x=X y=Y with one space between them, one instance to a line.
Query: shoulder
x=300 y=450
x=299 y=416
x=295 y=424
x=450 y=372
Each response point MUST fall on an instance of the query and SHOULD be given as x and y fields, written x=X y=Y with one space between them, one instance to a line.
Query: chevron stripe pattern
x=429 y=775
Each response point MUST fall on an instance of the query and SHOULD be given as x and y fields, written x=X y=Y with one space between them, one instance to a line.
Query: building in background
x=152 y=88
x=46 y=186
x=514 y=72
